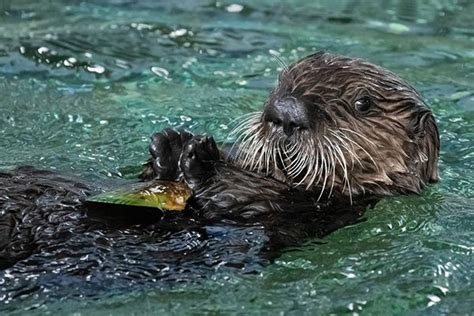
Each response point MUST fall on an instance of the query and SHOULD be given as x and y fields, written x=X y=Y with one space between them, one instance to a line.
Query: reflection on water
x=83 y=84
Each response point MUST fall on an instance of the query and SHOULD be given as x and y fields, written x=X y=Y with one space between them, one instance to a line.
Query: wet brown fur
x=391 y=149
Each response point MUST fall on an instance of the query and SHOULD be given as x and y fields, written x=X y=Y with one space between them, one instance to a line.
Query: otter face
x=337 y=123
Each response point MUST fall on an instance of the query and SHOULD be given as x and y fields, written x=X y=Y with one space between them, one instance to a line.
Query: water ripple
x=84 y=84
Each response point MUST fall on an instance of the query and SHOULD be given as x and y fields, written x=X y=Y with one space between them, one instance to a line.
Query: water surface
x=84 y=83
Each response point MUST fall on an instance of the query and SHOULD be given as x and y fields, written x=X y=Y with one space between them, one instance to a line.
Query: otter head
x=337 y=123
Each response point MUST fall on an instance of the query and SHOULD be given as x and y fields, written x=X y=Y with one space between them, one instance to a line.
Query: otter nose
x=289 y=113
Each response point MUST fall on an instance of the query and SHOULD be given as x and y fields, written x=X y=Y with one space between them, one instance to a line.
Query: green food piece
x=164 y=195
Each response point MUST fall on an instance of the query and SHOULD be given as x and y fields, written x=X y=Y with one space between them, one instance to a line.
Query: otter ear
x=427 y=138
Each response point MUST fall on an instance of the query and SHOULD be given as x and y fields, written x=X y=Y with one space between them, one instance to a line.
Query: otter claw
x=197 y=159
x=175 y=152
x=165 y=148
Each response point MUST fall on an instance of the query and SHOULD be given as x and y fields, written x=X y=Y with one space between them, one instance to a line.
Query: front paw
x=166 y=148
x=198 y=158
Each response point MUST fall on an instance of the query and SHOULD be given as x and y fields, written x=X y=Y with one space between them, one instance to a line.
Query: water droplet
x=178 y=33
x=141 y=26
x=398 y=28
x=274 y=52
x=161 y=72
x=70 y=62
x=189 y=62
x=433 y=299
x=43 y=50
x=350 y=275
x=98 y=69
x=50 y=36
x=235 y=8
x=442 y=289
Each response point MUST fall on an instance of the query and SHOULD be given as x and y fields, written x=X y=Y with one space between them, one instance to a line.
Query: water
x=84 y=83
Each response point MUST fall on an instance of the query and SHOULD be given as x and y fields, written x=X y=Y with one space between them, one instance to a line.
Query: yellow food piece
x=164 y=195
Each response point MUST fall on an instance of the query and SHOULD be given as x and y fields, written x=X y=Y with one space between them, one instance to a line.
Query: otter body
x=333 y=126
x=51 y=248
x=335 y=135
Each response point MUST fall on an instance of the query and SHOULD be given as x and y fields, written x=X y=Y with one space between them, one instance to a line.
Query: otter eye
x=363 y=105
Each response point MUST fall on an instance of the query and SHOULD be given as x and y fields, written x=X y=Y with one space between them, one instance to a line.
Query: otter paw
x=198 y=158
x=166 y=148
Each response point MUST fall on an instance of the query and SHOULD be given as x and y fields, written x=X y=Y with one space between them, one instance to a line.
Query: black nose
x=289 y=113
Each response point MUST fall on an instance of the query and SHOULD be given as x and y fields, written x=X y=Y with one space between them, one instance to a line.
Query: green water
x=84 y=83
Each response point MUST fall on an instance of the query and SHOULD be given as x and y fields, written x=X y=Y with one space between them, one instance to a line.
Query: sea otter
x=335 y=135
x=332 y=125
